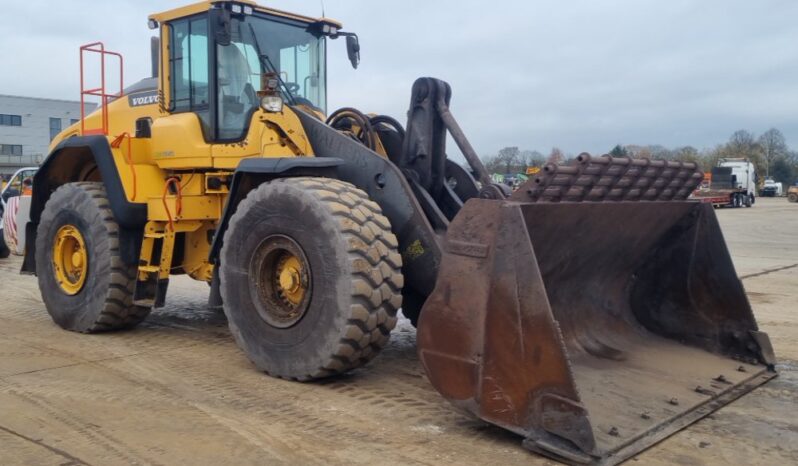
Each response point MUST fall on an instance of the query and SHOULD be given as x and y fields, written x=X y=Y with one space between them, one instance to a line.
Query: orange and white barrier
x=16 y=215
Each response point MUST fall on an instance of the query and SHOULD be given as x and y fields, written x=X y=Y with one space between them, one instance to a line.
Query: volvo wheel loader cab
x=592 y=311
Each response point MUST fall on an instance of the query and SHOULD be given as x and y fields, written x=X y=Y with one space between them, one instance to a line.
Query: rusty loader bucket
x=594 y=312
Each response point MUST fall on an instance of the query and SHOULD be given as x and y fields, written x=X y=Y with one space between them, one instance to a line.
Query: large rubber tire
x=4 y=251
x=354 y=268
x=105 y=302
x=792 y=197
x=749 y=200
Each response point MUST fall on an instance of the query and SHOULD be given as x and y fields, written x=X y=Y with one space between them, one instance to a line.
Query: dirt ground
x=178 y=391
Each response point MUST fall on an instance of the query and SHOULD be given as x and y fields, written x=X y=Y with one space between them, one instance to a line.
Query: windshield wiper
x=267 y=63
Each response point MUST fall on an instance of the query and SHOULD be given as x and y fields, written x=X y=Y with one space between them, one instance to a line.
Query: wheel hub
x=70 y=259
x=281 y=276
x=289 y=273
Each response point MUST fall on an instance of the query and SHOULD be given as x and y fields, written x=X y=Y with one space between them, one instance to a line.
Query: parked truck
x=731 y=184
x=772 y=188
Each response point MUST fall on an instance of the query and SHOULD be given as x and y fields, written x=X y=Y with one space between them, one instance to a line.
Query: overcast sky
x=580 y=75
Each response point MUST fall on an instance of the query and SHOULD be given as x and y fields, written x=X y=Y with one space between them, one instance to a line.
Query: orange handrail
x=98 y=47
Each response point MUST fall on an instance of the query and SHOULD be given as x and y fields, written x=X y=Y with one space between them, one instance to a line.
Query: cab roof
x=199 y=7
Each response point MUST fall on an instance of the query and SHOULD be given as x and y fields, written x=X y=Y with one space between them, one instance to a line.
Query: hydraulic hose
x=347 y=118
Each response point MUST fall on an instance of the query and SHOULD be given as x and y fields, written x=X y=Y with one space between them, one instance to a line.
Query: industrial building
x=28 y=124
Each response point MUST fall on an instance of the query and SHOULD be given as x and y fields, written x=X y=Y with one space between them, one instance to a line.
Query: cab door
x=181 y=139
x=239 y=132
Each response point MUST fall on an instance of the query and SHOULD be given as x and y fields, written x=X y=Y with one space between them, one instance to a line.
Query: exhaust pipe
x=155 y=54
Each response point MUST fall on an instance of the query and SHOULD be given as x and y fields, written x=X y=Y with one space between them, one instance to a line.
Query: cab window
x=188 y=56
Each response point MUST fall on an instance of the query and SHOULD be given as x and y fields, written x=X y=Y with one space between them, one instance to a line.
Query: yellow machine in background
x=312 y=232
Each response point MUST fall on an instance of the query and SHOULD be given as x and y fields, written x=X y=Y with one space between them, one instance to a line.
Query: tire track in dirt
x=161 y=393
x=294 y=407
x=70 y=460
x=240 y=409
x=72 y=421
x=56 y=394
x=769 y=271
x=394 y=384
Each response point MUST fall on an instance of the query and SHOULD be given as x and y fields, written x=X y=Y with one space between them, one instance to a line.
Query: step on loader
x=593 y=311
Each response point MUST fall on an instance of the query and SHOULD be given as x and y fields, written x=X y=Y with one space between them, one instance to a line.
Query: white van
x=14 y=212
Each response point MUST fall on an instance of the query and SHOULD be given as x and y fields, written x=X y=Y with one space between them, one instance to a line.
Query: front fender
x=250 y=173
x=66 y=164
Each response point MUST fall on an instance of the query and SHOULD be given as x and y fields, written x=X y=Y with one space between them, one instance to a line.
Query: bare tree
x=741 y=138
x=686 y=154
x=530 y=158
x=773 y=147
x=491 y=163
x=743 y=144
x=619 y=151
x=508 y=157
x=556 y=156
x=660 y=152
x=783 y=171
x=639 y=152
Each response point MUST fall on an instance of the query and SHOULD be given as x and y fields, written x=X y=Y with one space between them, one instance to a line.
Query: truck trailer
x=732 y=184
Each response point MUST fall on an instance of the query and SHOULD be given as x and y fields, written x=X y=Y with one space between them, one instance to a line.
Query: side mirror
x=222 y=18
x=353 y=50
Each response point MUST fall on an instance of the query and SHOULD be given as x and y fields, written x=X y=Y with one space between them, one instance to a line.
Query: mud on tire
x=355 y=278
x=105 y=301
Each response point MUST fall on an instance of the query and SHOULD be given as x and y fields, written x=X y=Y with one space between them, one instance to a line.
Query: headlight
x=272 y=103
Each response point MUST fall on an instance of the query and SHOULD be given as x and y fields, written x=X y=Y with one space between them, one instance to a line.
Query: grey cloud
x=580 y=75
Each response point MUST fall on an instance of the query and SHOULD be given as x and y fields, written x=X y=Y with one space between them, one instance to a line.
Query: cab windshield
x=259 y=46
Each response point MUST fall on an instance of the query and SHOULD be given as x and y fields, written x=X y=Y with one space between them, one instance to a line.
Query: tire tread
x=118 y=310
x=377 y=289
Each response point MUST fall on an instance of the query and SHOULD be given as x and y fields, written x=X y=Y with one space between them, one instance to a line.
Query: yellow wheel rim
x=289 y=275
x=281 y=283
x=70 y=260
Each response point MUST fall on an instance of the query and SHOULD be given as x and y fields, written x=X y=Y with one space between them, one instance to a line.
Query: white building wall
x=34 y=134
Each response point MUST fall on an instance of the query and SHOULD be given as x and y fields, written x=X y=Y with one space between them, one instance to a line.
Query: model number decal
x=144 y=98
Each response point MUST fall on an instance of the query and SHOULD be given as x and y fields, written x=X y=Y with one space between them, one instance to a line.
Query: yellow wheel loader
x=593 y=311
